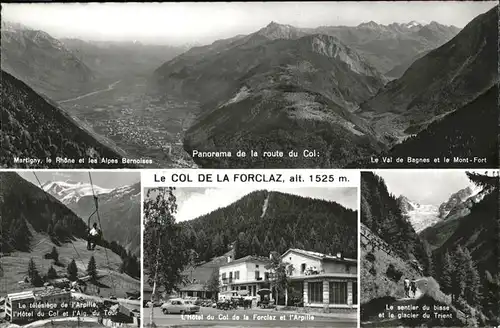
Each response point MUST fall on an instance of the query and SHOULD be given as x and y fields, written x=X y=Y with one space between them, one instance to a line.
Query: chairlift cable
x=102 y=234
x=71 y=241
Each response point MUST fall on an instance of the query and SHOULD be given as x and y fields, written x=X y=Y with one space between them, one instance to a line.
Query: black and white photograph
x=70 y=249
x=250 y=85
x=234 y=257
x=429 y=248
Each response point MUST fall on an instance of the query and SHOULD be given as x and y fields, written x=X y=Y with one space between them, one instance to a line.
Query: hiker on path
x=407 y=287
x=414 y=288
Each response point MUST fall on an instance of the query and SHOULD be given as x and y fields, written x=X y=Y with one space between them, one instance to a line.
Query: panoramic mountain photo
x=250 y=85
x=263 y=258
x=429 y=249
x=70 y=248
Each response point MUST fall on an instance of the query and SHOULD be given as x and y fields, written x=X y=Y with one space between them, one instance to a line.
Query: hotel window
x=236 y=275
x=354 y=292
x=338 y=292
x=315 y=292
x=256 y=265
x=223 y=276
x=257 y=275
x=302 y=268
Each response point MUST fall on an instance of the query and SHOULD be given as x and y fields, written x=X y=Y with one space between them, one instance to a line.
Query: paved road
x=256 y=318
x=109 y=88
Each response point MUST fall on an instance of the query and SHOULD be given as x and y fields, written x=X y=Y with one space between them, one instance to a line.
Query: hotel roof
x=193 y=287
x=248 y=258
x=35 y=293
x=320 y=256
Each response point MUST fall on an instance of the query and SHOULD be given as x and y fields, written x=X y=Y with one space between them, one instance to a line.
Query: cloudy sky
x=430 y=187
x=194 y=202
x=181 y=23
x=102 y=179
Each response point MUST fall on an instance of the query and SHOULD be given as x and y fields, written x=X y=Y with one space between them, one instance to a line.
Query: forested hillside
x=459 y=134
x=264 y=221
x=27 y=210
x=381 y=213
x=462 y=272
x=467 y=263
x=23 y=204
x=35 y=127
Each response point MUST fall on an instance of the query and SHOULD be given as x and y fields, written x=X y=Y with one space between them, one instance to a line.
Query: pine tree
x=217 y=245
x=268 y=246
x=33 y=274
x=472 y=280
x=282 y=246
x=32 y=270
x=255 y=246
x=92 y=269
x=241 y=248
x=447 y=273
x=51 y=274
x=54 y=255
x=213 y=283
x=429 y=264
x=72 y=270
x=459 y=274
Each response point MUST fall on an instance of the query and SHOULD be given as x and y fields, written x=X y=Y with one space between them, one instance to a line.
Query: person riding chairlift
x=92 y=237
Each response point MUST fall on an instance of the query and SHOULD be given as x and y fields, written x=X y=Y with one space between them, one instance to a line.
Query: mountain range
x=112 y=60
x=387 y=46
x=444 y=80
x=349 y=93
x=42 y=62
x=119 y=209
x=299 y=89
x=423 y=216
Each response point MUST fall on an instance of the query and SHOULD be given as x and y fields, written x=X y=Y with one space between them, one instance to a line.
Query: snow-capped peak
x=72 y=191
x=420 y=216
x=414 y=24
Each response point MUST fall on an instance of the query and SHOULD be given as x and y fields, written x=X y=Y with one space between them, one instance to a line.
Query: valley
x=346 y=92
x=141 y=123
x=441 y=245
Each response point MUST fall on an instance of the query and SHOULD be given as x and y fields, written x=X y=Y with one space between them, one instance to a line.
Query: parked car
x=178 y=305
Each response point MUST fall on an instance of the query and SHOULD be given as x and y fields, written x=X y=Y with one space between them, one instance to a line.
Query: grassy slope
x=379 y=290
x=15 y=266
x=378 y=284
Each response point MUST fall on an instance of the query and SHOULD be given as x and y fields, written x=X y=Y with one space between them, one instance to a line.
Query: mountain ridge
x=440 y=82
x=119 y=209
